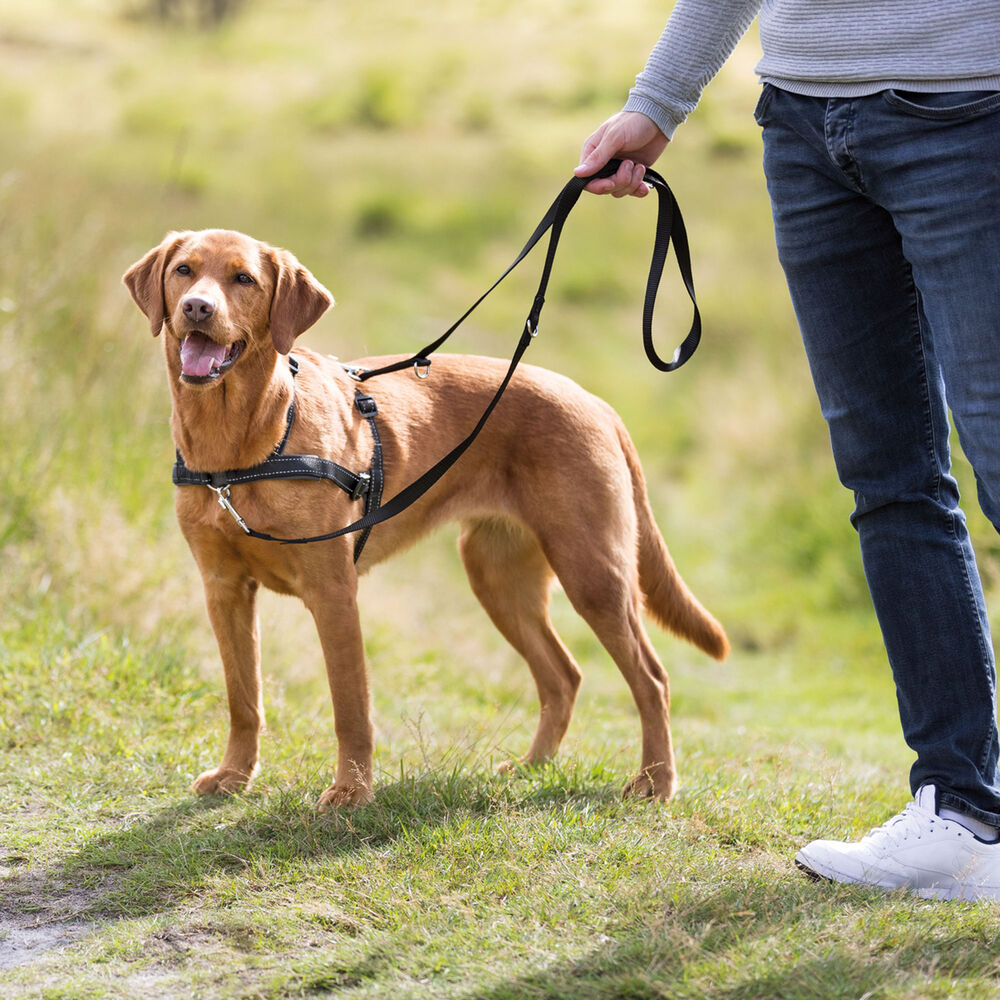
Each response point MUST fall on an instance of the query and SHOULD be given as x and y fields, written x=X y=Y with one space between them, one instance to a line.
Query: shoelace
x=913 y=821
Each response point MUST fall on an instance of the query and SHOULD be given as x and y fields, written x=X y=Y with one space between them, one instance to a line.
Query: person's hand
x=630 y=136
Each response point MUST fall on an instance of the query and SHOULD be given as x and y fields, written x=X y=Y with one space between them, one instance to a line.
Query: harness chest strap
x=281 y=466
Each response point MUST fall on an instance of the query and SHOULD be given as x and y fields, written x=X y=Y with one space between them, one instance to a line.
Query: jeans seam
x=984 y=751
x=929 y=438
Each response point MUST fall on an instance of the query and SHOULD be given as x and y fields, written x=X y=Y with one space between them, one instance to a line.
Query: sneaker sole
x=813 y=876
x=820 y=873
x=956 y=891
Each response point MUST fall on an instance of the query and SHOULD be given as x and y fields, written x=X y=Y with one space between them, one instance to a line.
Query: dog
x=552 y=488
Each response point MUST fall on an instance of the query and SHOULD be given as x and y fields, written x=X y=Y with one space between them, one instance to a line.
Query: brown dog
x=552 y=486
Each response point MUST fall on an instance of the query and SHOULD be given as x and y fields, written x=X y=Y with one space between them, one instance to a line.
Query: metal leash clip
x=222 y=495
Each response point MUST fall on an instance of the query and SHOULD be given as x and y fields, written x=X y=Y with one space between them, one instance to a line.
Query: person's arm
x=698 y=39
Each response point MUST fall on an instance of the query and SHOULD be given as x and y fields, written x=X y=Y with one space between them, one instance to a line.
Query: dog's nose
x=197 y=307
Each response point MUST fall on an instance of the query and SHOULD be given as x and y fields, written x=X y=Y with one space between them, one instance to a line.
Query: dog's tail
x=665 y=595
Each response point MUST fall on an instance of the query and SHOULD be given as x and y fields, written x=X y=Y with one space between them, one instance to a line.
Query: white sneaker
x=918 y=850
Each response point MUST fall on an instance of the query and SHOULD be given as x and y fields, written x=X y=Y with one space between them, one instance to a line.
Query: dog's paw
x=653 y=783
x=345 y=797
x=222 y=781
x=520 y=765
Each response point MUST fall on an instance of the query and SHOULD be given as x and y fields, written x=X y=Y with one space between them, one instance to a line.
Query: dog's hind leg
x=604 y=590
x=511 y=578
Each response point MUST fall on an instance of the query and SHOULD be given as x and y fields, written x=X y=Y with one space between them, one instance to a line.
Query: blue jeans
x=887 y=220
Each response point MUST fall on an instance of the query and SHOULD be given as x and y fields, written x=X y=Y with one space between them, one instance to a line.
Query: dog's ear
x=299 y=300
x=144 y=280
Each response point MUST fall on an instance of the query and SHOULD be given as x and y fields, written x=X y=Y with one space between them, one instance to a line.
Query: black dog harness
x=281 y=466
x=669 y=228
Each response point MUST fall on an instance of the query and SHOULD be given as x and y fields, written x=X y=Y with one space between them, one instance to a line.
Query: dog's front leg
x=336 y=617
x=232 y=609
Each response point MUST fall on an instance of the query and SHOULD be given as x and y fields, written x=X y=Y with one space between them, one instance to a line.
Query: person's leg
x=878 y=375
x=931 y=161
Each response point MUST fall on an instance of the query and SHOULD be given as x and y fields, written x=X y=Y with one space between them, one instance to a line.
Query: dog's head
x=222 y=295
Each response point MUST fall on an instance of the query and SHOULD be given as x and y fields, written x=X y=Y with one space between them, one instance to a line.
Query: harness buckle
x=361 y=486
x=222 y=495
x=422 y=363
x=366 y=404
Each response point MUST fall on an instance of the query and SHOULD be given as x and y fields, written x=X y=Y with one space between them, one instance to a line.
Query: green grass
x=405 y=155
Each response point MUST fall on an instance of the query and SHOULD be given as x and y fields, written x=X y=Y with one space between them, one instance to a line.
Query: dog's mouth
x=203 y=360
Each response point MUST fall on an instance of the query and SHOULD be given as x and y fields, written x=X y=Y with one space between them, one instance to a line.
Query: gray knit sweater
x=826 y=48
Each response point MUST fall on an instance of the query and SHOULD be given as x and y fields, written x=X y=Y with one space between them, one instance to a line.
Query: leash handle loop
x=669 y=227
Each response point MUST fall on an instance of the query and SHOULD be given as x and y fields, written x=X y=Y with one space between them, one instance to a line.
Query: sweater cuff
x=665 y=119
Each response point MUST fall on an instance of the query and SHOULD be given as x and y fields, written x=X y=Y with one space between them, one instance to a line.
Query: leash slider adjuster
x=361 y=486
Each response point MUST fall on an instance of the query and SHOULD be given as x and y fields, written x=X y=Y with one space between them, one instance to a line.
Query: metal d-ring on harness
x=281 y=466
x=669 y=227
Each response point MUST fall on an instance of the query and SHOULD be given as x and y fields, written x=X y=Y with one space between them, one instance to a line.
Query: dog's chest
x=216 y=537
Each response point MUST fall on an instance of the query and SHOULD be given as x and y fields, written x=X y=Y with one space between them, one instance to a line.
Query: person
x=881 y=137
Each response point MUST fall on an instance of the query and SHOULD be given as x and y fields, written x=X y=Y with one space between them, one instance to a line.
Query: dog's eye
x=245 y=279
x=183 y=269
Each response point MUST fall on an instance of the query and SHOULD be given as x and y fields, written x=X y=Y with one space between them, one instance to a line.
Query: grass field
x=405 y=155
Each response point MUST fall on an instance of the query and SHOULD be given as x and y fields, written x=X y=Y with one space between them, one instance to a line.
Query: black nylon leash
x=669 y=227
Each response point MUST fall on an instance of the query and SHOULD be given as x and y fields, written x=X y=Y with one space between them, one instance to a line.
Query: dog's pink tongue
x=199 y=353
